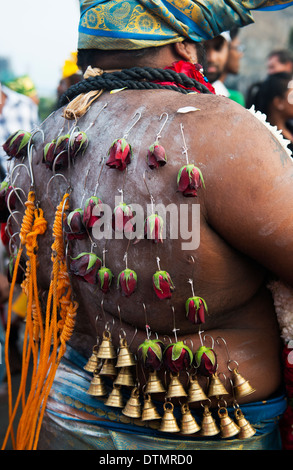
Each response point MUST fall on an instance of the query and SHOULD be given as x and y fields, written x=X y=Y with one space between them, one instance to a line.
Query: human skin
x=245 y=227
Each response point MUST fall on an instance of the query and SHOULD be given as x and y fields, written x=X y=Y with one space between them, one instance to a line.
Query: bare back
x=245 y=225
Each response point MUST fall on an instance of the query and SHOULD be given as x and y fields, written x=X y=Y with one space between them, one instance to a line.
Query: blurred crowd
x=20 y=109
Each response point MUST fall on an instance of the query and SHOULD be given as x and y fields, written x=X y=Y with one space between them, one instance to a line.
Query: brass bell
x=133 y=406
x=227 y=425
x=175 y=388
x=106 y=349
x=97 y=387
x=125 y=357
x=242 y=387
x=246 y=430
x=216 y=388
x=108 y=368
x=124 y=377
x=195 y=392
x=154 y=384
x=149 y=411
x=188 y=422
x=92 y=363
x=169 y=423
x=208 y=424
x=115 y=398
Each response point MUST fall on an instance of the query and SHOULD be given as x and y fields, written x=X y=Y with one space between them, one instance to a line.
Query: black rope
x=136 y=78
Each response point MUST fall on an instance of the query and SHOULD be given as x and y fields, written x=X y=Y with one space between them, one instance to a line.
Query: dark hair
x=284 y=55
x=261 y=94
x=86 y=57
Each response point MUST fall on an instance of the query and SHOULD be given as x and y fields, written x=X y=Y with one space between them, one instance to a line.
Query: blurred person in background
x=17 y=111
x=71 y=74
x=271 y=97
x=280 y=60
x=223 y=55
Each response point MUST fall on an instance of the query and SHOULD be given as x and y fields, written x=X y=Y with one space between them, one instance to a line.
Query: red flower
x=56 y=153
x=156 y=156
x=150 y=352
x=189 y=180
x=120 y=154
x=73 y=226
x=85 y=267
x=127 y=280
x=78 y=143
x=153 y=228
x=121 y=220
x=163 y=284
x=177 y=356
x=105 y=277
x=196 y=309
x=92 y=212
x=16 y=144
x=206 y=361
x=5 y=191
x=191 y=71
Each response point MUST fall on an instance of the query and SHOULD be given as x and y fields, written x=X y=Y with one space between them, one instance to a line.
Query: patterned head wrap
x=135 y=24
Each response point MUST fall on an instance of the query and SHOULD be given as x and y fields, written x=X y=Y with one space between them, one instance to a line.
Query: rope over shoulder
x=136 y=78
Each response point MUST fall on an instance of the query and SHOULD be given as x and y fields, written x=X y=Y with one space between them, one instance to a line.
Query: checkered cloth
x=19 y=112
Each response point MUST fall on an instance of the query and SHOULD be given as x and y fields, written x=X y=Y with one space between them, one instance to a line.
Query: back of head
x=261 y=94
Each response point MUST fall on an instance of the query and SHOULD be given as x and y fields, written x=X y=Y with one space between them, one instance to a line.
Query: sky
x=38 y=36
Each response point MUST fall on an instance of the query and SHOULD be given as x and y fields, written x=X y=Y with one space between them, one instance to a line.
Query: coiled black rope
x=136 y=78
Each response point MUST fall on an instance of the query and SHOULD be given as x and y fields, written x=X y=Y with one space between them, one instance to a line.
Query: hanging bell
x=169 y=423
x=92 y=363
x=208 y=424
x=246 y=430
x=106 y=349
x=188 y=422
x=125 y=357
x=175 y=388
x=133 y=406
x=227 y=425
x=154 y=384
x=149 y=411
x=108 y=368
x=115 y=398
x=242 y=387
x=97 y=387
x=125 y=377
x=195 y=392
x=216 y=388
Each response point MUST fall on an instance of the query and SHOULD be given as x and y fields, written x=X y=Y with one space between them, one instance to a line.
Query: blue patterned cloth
x=135 y=24
x=75 y=419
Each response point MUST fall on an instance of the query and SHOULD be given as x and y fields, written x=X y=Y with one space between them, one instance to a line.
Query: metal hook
x=165 y=122
x=213 y=341
x=54 y=176
x=228 y=355
x=14 y=168
x=192 y=289
x=185 y=149
x=127 y=132
x=30 y=155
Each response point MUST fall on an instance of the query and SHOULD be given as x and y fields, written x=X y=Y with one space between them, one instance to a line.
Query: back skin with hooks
x=229 y=268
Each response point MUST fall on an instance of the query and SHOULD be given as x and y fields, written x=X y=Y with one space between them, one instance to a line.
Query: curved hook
x=213 y=341
x=14 y=168
x=165 y=122
x=228 y=355
x=127 y=132
x=30 y=155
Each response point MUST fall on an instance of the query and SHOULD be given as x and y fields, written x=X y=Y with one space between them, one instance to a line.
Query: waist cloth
x=76 y=420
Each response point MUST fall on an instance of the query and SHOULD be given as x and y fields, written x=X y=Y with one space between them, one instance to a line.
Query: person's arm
x=249 y=194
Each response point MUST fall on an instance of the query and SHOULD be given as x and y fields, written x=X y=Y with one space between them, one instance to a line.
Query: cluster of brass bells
x=102 y=362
